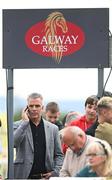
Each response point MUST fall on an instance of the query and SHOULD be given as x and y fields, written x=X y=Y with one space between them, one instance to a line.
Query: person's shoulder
x=78 y=121
x=104 y=131
x=87 y=168
x=105 y=126
x=83 y=172
x=75 y=121
x=50 y=124
x=18 y=122
x=91 y=138
x=83 y=118
x=92 y=128
x=59 y=123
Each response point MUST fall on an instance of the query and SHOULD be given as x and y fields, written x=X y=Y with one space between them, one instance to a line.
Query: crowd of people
x=78 y=146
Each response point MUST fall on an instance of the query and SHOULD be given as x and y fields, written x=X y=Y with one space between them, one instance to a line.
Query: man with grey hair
x=37 y=143
x=104 y=129
x=75 y=157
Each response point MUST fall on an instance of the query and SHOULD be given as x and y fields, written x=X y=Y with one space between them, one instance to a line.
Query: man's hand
x=25 y=115
x=47 y=175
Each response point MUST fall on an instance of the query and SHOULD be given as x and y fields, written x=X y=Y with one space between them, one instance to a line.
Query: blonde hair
x=105 y=102
x=104 y=148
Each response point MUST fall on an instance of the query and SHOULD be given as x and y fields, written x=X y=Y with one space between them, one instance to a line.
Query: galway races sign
x=55 y=38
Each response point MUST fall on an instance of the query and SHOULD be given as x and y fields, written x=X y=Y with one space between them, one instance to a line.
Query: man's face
x=52 y=117
x=107 y=113
x=90 y=111
x=75 y=144
x=35 y=108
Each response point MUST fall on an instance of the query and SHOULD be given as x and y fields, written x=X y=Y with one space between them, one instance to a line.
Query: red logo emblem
x=55 y=37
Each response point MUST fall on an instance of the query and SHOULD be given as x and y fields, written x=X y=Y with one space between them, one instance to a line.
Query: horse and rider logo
x=55 y=37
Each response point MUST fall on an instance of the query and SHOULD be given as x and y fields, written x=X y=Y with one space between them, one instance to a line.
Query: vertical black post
x=110 y=50
x=100 y=81
x=9 y=75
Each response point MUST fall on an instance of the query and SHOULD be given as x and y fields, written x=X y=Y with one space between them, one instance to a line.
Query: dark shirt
x=91 y=130
x=59 y=124
x=86 y=172
x=39 y=142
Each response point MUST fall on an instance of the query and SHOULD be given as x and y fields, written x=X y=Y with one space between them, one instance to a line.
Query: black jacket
x=91 y=130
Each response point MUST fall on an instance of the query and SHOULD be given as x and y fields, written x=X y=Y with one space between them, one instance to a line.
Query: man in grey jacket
x=37 y=143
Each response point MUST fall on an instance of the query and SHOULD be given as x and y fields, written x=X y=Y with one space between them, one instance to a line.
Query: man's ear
x=104 y=112
x=80 y=135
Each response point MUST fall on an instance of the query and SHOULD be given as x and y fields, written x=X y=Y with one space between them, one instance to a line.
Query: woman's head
x=99 y=154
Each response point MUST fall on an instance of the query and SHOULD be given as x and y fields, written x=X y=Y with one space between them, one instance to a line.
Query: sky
x=54 y=84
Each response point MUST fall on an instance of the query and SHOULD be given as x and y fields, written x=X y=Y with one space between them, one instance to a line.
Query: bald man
x=75 y=158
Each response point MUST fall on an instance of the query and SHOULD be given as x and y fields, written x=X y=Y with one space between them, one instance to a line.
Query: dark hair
x=103 y=146
x=52 y=107
x=91 y=100
x=105 y=94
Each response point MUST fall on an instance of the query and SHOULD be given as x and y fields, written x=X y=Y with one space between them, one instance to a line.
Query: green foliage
x=62 y=116
x=17 y=115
